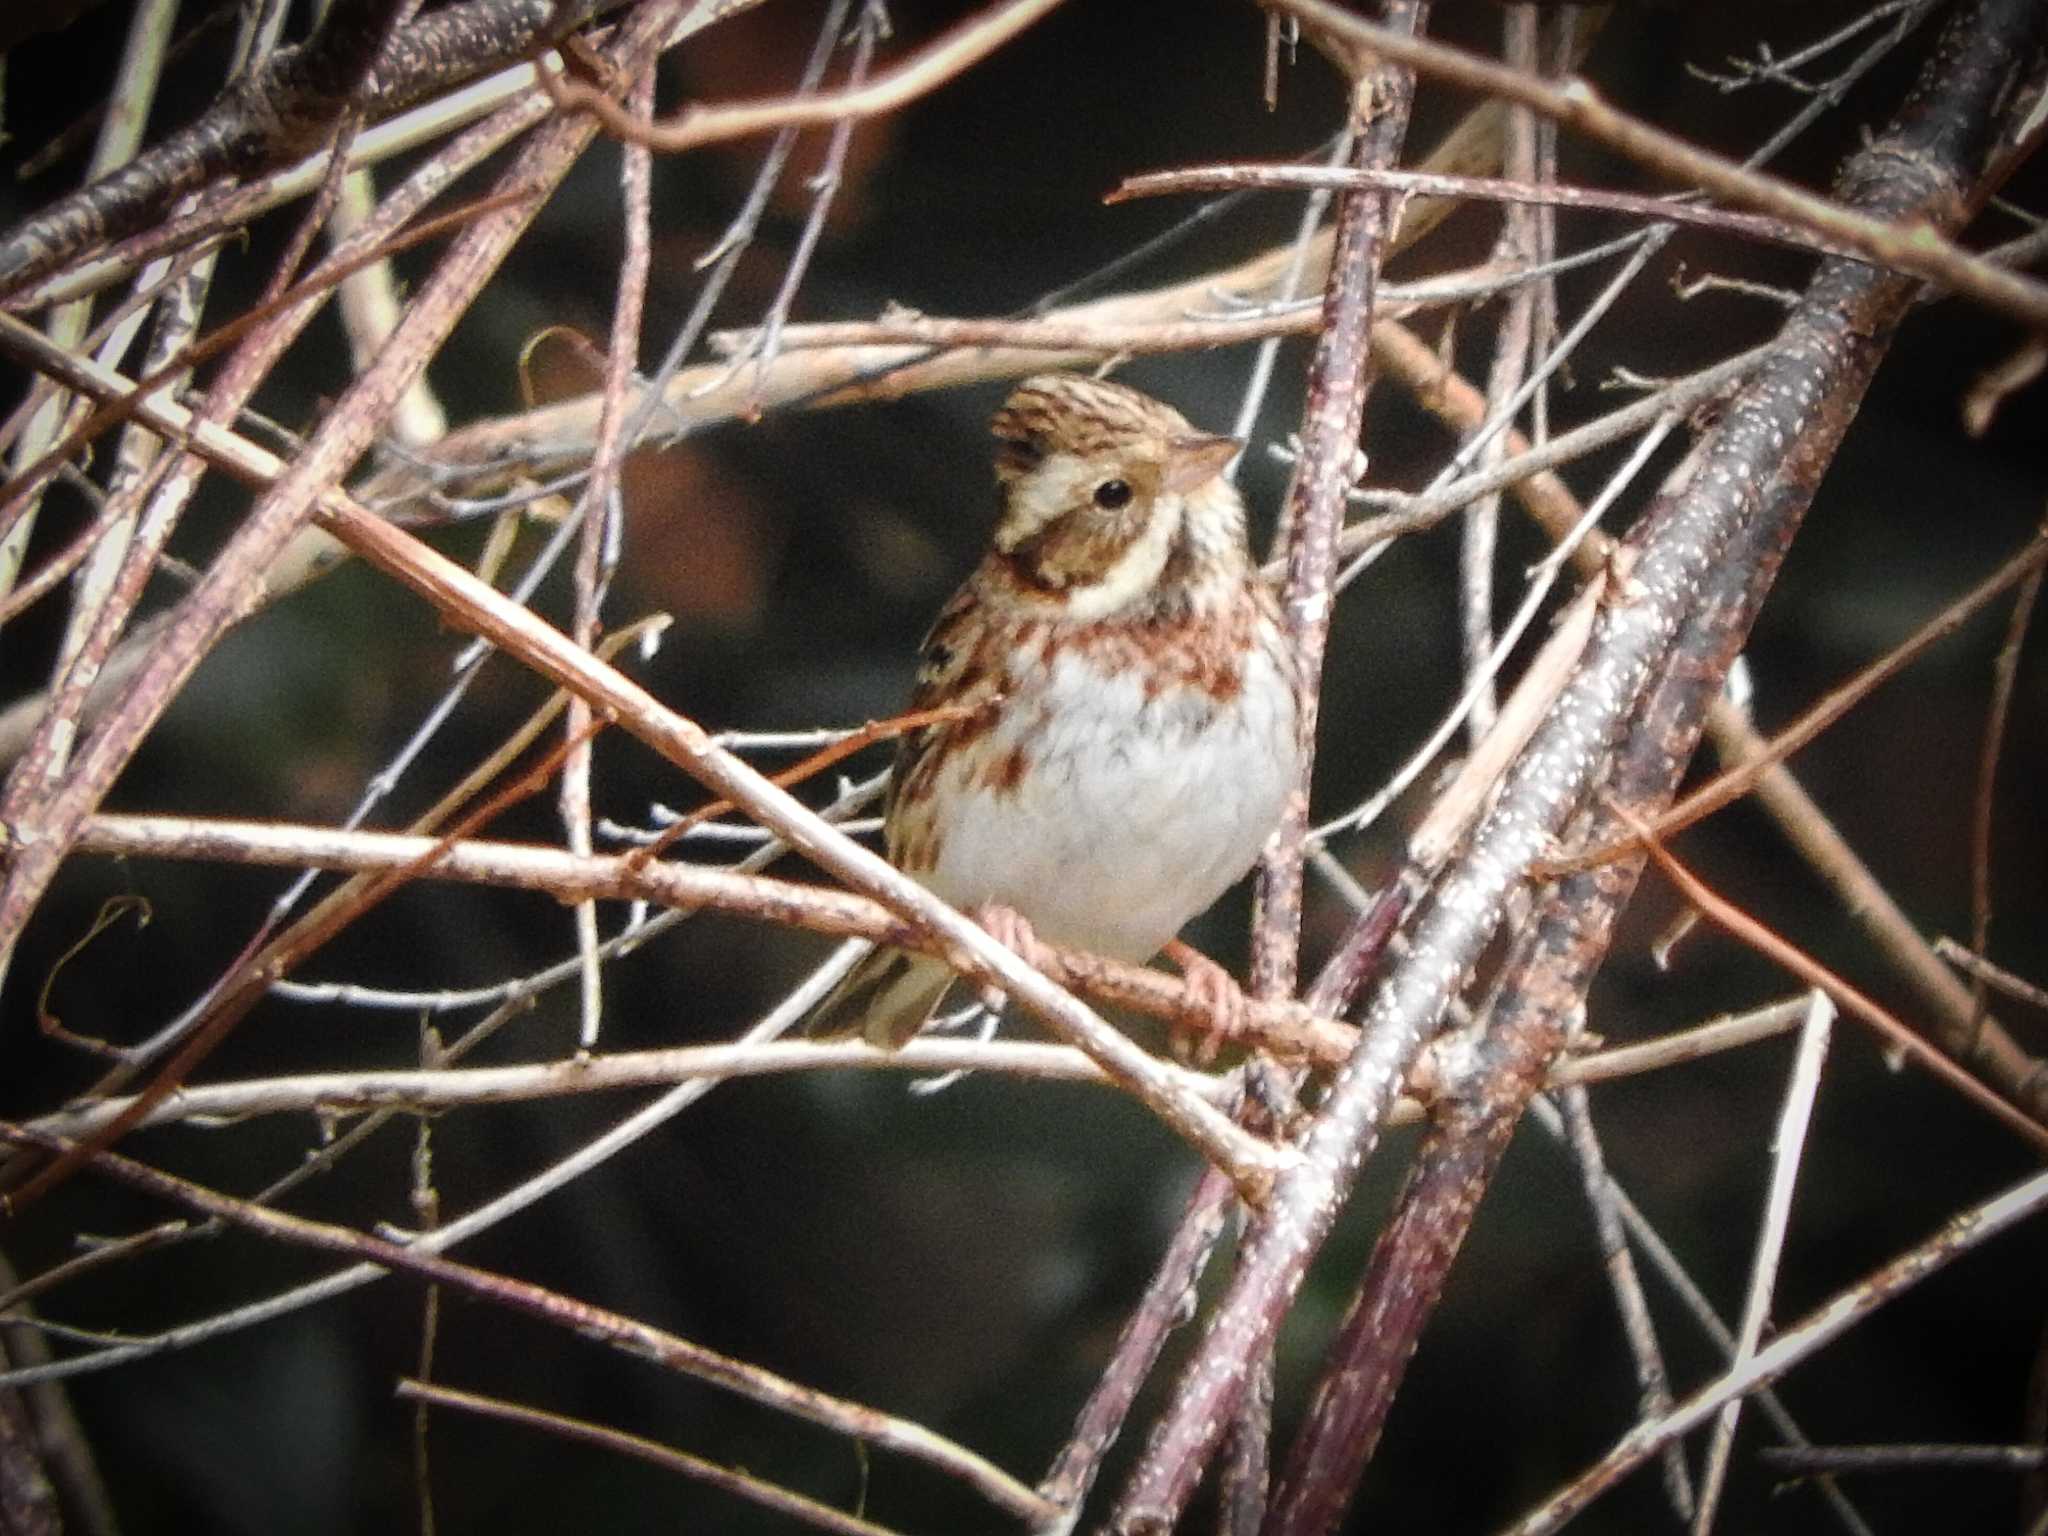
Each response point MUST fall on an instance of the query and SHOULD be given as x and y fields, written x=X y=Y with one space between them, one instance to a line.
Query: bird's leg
x=1212 y=989
x=1009 y=928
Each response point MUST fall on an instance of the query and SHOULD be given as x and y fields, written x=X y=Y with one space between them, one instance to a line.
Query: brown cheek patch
x=1074 y=550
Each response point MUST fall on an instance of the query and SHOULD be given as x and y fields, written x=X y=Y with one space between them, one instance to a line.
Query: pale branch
x=1919 y=246
x=1612 y=1198
x=1977 y=968
x=924 y=71
x=1788 y=1148
x=1789 y=1347
x=1734 y=783
x=585 y=1319
x=1310 y=178
x=1194 y=330
x=1803 y=395
x=602 y=514
x=1894 y=1031
x=1963 y=1029
x=439 y=1089
x=569 y=877
x=286 y=109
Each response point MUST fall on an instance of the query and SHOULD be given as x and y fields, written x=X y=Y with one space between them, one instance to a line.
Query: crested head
x=1110 y=499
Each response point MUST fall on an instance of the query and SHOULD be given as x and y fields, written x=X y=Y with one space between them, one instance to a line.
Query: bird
x=1122 y=731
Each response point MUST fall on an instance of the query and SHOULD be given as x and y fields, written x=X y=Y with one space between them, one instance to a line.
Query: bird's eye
x=1112 y=494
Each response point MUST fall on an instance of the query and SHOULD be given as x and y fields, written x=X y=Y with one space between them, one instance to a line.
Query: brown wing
x=955 y=667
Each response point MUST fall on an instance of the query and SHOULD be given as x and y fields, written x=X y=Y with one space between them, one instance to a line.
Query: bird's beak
x=1192 y=462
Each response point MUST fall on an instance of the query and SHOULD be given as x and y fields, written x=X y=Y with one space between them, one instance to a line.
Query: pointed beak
x=1192 y=462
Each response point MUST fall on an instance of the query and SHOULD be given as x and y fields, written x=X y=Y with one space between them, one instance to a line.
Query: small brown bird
x=1137 y=742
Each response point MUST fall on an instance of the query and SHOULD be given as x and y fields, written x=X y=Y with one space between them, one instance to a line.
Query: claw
x=1009 y=928
x=1214 y=991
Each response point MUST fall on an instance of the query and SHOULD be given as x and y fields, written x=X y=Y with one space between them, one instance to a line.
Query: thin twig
x=592 y=1322
x=1787 y=1148
x=733 y=1480
x=923 y=71
x=1638 y=1328
x=1732 y=785
x=1915 y=247
x=1982 y=970
x=1298 y=178
x=1794 y=1344
x=1738 y=924
x=446 y=1087
x=2004 y=679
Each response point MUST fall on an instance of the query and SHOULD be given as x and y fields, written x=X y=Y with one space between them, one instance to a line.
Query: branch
x=1757 y=472
x=1799 y=1342
x=568 y=877
x=285 y=111
x=925 y=70
x=1217 y=178
x=1918 y=246
x=733 y=1480
x=1234 y=1353
x=590 y=1321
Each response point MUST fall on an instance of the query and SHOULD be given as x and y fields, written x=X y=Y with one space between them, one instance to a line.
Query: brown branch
x=287 y=110
x=1919 y=246
x=1282 y=1025
x=1983 y=1043
x=1235 y=1348
x=2004 y=678
x=591 y=1322
x=1308 y=178
x=733 y=1480
x=1730 y=786
x=1543 y=985
x=1804 y=396
x=925 y=70
x=1732 y=920
x=1808 y=1460
x=854 y=741
x=1332 y=415
x=1800 y=1341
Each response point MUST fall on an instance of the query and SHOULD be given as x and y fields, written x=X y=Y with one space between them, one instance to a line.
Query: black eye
x=1112 y=494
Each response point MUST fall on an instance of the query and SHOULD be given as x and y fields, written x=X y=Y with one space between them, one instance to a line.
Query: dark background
x=966 y=1259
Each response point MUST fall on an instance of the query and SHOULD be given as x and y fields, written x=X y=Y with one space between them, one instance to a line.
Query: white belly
x=1135 y=814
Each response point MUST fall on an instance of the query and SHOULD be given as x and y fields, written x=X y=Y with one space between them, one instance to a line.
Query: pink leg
x=1217 y=995
x=1008 y=927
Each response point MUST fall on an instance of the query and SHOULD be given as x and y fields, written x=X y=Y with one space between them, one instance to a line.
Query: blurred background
x=966 y=1258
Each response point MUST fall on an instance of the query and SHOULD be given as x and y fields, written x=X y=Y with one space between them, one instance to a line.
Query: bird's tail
x=886 y=999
